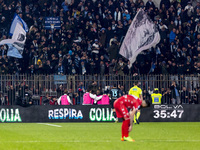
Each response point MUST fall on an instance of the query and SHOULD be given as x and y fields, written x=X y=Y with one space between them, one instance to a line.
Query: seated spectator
x=53 y=101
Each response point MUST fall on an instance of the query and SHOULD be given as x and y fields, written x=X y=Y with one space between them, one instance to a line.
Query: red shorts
x=121 y=110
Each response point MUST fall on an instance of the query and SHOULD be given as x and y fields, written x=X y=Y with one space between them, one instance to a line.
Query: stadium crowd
x=91 y=34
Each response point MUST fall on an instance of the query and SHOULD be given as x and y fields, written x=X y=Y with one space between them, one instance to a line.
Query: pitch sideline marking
x=167 y=140
x=50 y=124
x=97 y=141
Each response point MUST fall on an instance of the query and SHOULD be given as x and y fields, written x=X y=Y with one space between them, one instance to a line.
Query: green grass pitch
x=99 y=136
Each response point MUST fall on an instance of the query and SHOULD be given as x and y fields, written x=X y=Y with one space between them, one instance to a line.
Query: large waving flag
x=13 y=51
x=19 y=37
x=19 y=20
x=16 y=44
x=141 y=35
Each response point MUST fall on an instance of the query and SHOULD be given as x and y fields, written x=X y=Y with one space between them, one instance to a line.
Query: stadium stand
x=91 y=34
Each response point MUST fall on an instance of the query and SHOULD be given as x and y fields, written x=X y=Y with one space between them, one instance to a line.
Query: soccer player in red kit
x=121 y=106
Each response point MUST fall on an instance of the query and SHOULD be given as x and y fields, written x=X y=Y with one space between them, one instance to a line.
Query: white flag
x=17 y=42
x=19 y=20
x=141 y=35
x=19 y=37
x=13 y=51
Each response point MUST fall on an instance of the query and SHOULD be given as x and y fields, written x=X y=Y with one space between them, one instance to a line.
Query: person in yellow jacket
x=137 y=92
x=156 y=97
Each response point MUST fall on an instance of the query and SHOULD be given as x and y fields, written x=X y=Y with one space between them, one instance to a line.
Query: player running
x=137 y=92
x=121 y=106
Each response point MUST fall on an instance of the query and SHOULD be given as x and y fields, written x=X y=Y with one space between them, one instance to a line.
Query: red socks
x=125 y=127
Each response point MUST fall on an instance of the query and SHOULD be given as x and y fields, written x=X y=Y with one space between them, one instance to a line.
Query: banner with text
x=97 y=113
x=52 y=23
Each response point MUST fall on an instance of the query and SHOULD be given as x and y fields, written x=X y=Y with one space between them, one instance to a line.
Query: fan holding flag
x=16 y=44
x=19 y=20
x=141 y=35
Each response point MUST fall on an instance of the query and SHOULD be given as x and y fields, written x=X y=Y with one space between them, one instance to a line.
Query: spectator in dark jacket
x=188 y=68
x=113 y=50
x=175 y=93
x=166 y=3
x=185 y=96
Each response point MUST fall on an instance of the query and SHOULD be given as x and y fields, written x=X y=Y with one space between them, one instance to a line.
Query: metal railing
x=15 y=86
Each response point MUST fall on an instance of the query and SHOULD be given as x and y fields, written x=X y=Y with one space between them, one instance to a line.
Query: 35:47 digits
x=168 y=114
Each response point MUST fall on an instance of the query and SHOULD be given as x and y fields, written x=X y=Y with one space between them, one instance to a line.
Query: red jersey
x=124 y=102
x=129 y=101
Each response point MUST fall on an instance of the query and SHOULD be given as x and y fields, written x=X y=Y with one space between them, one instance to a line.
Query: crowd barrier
x=95 y=113
x=14 y=86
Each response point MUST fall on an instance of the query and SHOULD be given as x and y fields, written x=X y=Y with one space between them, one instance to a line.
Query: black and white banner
x=96 y=113
x=141 y=35
x=59 y=113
